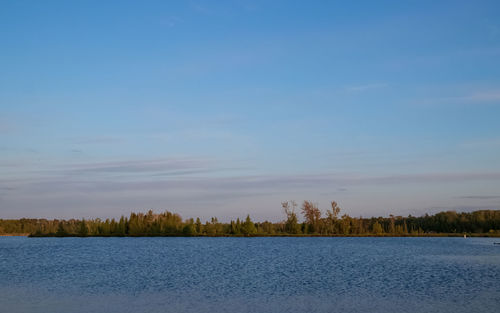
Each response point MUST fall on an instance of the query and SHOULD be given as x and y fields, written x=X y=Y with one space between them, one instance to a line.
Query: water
x=249 y=275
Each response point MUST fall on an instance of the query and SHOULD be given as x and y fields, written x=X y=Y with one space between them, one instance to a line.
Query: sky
x=224 y=108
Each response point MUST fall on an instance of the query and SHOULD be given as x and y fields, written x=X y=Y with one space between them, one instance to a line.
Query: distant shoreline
x=478 y=235
x=482 y=223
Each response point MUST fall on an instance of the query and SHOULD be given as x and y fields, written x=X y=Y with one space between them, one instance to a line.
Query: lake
x=249 y=275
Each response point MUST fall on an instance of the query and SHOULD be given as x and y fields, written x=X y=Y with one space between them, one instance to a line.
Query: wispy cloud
x=117 y=172
x=94 y=140
x=182 y=170
x=456 y=208
x=143 y=166
x=171 y=21
x=475 y=97
x=201 y=8
x=485 y=96
x=189 y=185
x=479 y=197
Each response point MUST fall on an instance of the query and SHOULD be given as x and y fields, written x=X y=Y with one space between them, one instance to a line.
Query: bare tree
x=289 y=207
x=312 y=215
x=332 y=217
x=291 y=223
x=334 y=213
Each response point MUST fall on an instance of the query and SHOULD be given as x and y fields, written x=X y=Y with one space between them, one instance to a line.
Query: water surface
x=249 y=275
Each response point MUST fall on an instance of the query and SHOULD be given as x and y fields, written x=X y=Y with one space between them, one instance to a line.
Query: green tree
x=291 y=224
x=345 y=224
x=248 y=227
x=377 y=228
x=61 y=231
x=198 y=226
x=332 y=217
x=312 y=215
x=83 y=231
x=189 y=230
x=392 y=228
x=122 y=227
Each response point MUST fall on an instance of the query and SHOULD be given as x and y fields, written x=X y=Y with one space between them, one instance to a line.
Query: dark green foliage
x=198 y=226
x=485 y=222
x=248 y=228
x=312 y=215
x=291 y=224
x=189 y=230
x=377 y=229
x=61 y=231
x=83 y=231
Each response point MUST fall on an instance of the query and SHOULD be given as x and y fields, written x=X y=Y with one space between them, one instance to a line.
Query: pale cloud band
x=197 y=186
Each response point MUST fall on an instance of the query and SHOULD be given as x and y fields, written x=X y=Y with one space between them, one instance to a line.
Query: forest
x=313 y=222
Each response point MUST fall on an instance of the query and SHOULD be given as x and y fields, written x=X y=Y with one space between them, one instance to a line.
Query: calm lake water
x=249 y=275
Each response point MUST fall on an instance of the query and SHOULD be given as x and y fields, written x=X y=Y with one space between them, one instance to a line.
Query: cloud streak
x=491 y=96
x=480 y=197
x=201 y=184
x=95 y=140
x=182 y=178
x=146 y=166
x=488 y=96
x=201 y=194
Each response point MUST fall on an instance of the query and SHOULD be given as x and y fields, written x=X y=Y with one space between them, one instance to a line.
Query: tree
x=248 y=227
x=167 y=223
x=122 y=226
x=345 y=224
x=332 y=216
x=334 y=213
x=392 y=230
x=60 y=230
x=189 y=230
x=198 y=226
x=377 y=228
x=83 y=231
x=312 y=215
x=291 y=223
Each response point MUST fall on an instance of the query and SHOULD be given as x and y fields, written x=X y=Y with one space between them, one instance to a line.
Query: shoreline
x=482 y=223
x=479 y=235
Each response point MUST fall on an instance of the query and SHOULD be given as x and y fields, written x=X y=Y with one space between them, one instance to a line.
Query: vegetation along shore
x=449 y=223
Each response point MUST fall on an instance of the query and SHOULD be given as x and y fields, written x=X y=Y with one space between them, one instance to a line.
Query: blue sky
x=228 y=107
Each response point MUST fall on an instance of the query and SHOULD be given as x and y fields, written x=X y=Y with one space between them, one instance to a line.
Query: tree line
x=314 y=223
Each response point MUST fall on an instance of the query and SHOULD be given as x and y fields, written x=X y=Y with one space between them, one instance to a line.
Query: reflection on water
x=249 y=275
